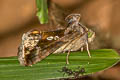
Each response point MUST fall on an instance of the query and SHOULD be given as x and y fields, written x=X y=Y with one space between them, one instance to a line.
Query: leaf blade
x=48 y=68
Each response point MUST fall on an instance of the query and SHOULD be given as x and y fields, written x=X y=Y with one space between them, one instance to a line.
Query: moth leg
x=88 y=49
x=82 y=49
x=67 y=57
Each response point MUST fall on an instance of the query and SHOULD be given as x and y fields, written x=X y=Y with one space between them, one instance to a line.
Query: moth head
x=73 y=18
x=91 y=35
x=31 y=39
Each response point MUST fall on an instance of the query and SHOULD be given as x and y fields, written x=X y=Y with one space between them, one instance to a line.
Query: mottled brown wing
x=38 y=54
x=29 y=53
x=74 y=44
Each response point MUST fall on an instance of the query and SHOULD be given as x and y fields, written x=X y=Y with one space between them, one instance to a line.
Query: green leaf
x=10 y=68
x=42 y=11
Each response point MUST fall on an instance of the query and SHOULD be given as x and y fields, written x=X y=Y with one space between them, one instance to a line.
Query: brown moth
x=37 y=45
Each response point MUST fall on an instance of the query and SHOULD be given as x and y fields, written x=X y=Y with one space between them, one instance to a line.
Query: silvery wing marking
x=52 y=47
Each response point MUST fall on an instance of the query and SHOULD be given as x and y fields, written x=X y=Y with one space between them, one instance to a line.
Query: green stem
x=42 y=11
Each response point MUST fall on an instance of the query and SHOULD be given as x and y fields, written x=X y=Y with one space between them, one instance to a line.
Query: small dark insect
x=79 y=72
x=75 y=73
x=67 y=71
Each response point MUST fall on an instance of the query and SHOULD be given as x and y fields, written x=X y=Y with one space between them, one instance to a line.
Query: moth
x=37 y=45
